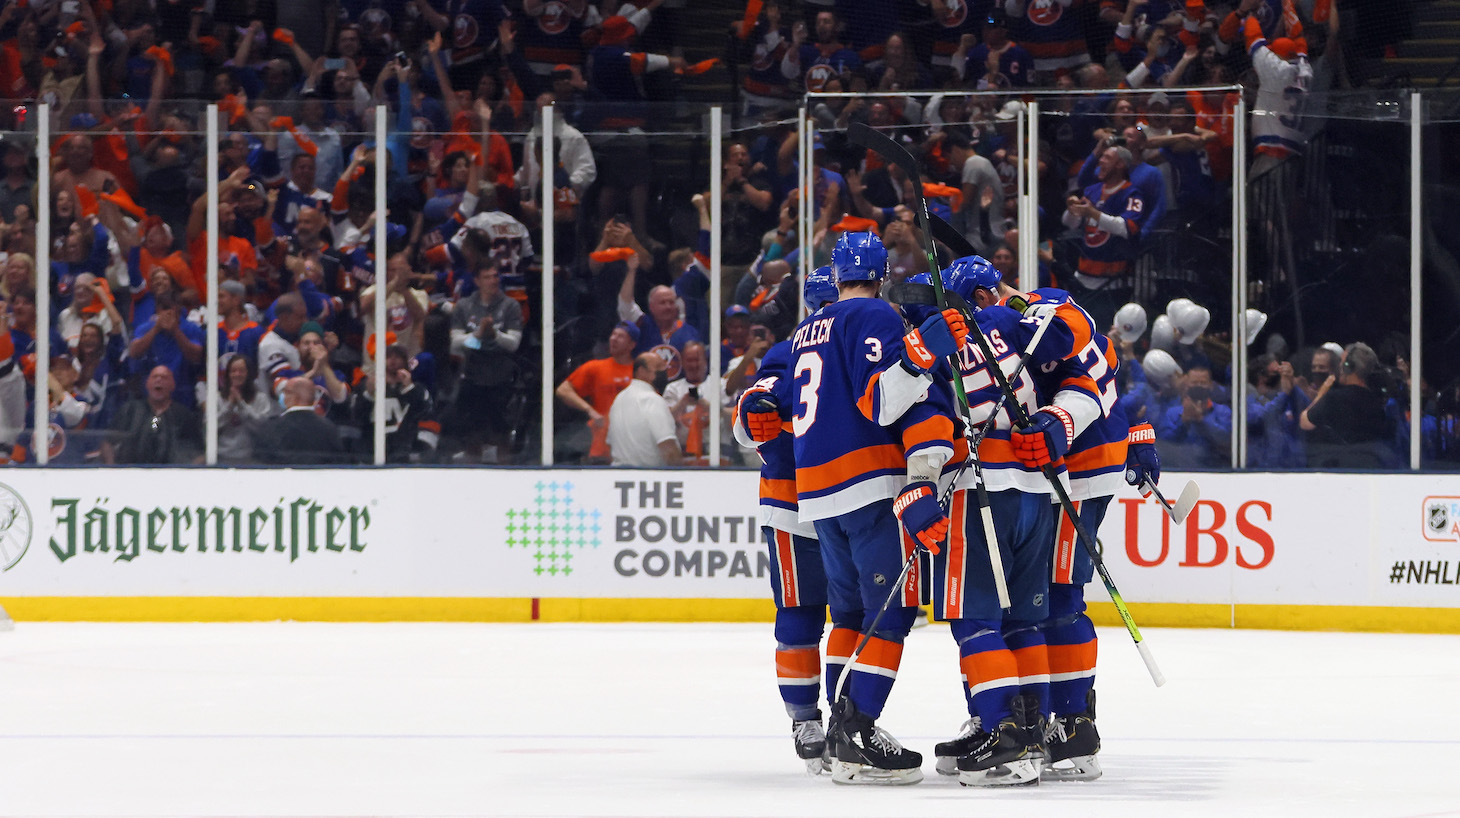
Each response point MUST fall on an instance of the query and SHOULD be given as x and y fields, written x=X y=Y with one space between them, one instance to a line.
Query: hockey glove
x=1046 y=439
x=759 y=415
x=1142 y=461
x=939 y=336
x=921 y=515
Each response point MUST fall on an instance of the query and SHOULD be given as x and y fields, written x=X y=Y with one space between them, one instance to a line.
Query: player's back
x=778 y=507
x=844 y=459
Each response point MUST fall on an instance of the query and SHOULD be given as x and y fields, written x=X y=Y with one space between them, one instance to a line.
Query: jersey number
x=1100 y=372
x=809 y=365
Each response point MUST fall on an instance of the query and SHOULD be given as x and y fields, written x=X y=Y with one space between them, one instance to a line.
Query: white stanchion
x=40 y=441
x=382 y=218
x=549 y=303
x=210 y=321
x=713 y=395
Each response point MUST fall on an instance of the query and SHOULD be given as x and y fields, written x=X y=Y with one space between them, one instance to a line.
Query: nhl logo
x=15 y=527
x=1437 y=517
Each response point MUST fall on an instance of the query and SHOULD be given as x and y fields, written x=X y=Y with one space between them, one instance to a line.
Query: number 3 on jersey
x=807 y=380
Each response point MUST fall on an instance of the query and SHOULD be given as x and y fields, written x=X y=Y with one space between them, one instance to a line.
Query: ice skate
x=948 y=752
x=1011 y=755
x=811 y=745
x=863 y=753
x=1074 y=744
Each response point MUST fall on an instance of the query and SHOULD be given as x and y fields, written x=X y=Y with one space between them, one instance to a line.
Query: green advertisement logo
x=553 y=527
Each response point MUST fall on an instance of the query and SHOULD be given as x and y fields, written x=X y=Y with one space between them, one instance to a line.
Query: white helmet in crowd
x=1130 y=322
x=1335 y=348
x=1188 y=319
x=1160 y=368
x=1256 y=320
x=1162 y=335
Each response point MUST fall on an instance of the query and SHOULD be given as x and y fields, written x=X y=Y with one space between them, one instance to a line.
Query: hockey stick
x=841 y=681
x=1184 y=503
x=863 y=135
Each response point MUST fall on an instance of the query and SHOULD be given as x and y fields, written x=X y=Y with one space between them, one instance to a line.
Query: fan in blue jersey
x=798 y=579
x=1108 y=450
x=862 y=437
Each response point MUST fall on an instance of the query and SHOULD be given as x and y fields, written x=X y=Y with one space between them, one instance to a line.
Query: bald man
x=662 y=325
x=300 y=436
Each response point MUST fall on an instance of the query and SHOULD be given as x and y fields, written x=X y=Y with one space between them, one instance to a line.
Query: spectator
x=1323 y=362
x=811 y=65
x=277 y=350
x=238 y=334
x=299 y=436
x=573 y=173
x=155 y=429
x=982 y=215
x=763 y=88
x=405 y=306
x=327 y=158
x=741 y=372
x=1273 y=406
x=18 y=187
x=486 y=329
x=1052 y=31
x=410 y=420
x=1198 y=432
x=641 y=430
x=997 y=55
x=91 y=302
x=78 y=168
x=736 y=331
x=168 y=339
x=1147 y=179
x=1109 y=217
x=686 y=402
x=1346 y=424
x=662 y=325
x=747 y=212
x=593 y=386
x=101 y=372
x=241 y=411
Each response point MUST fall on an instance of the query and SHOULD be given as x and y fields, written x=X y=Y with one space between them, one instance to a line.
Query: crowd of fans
x=1134 y=177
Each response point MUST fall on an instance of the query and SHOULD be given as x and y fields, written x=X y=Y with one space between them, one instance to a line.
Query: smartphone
x=334 y=63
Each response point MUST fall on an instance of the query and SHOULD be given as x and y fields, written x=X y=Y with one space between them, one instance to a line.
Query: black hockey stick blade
x=865 y=136
x=948 y=235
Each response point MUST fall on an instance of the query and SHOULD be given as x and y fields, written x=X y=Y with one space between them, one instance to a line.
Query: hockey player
x=863 y=438
x=1003 y=655
x=1107 y=450
x=798 y=582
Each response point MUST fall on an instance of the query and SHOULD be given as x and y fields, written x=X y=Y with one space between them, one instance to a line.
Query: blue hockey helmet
x=820 y=288
x=859 y=257
x=915 y=299
x=971 y=273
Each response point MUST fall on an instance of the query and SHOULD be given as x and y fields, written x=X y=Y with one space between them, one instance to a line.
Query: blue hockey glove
x=921 y=515
x=1142 y=461
x=760 y=415
x=1046 y=439
x=939 y=336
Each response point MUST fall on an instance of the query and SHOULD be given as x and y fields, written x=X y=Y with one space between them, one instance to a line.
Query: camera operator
x=1345 y=423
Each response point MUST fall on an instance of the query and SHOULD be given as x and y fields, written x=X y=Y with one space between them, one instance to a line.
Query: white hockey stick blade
x=1186 y=502
x=996 y=559
x=6 y=623
x=1156 y=675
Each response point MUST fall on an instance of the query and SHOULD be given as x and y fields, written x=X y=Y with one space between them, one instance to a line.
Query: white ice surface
x=661 y=720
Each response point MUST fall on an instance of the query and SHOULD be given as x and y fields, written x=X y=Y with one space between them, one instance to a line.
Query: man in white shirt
x=641 y=429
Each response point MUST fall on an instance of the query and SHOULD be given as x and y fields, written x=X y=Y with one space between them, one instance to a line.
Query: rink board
x=1310 y=551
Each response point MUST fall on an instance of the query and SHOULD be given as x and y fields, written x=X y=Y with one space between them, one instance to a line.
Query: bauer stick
x=862 y=134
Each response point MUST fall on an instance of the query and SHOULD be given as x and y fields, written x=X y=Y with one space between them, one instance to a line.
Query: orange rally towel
x=85 y=201
x=752 y=13
x=856 y=224
x=284 y=36
x=121 y=198
x=233 y=106
x=611 y=254
x=937 y=191
x=699 y=67
x=163 y=58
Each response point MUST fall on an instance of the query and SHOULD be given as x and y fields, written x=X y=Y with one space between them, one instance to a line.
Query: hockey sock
x=873 y=675
x=798 y=658
x=1031 y=656
x=990 y=672
x=839 y=647
x=1072 y=649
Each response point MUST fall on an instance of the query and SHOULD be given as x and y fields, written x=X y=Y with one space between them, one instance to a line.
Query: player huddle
x=891 y=481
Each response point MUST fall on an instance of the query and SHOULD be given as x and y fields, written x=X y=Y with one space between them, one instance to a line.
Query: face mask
x=1272 y=380
x=661 y=380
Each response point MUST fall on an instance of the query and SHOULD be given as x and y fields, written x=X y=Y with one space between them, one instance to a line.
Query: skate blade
x=817 y=766
x=947 y=765
x=1080 y=768
x=845 y=772
x=1021 y=773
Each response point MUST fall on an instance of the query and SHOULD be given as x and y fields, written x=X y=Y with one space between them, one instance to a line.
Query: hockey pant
x=1068 y=631
x=1001 y=652
x=798 y=584
x=864 y=551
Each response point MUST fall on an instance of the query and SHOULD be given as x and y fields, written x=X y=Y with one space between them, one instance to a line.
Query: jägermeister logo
x=299 y=526
x=15 y=527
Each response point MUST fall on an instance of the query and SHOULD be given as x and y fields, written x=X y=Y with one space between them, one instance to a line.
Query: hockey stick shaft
x=864 y=135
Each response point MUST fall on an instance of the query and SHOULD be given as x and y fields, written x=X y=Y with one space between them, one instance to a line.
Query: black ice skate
x=863 y=753
x=1011 y=755
x=1073 y=744
x=811 y=745
x=970 y=736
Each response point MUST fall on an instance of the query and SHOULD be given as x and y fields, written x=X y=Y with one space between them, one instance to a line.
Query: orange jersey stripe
x=781 y=490
x=955 y=574
x=988 y=666
x=1032 y=661
x=841 y=643
x=850 y=466
x=1065 y=543
x=1072 y=658
x=798 y=663
x=1099 y=458
x=865 y=404
x=936 y=429
x=786 y=557
x=881 y=653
